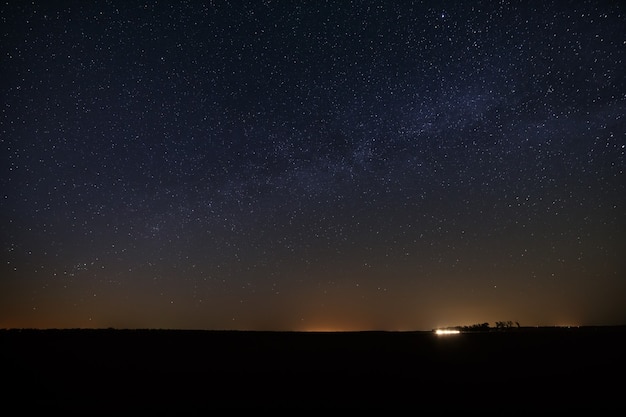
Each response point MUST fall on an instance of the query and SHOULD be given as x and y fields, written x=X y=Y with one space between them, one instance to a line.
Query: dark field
x=148 y=372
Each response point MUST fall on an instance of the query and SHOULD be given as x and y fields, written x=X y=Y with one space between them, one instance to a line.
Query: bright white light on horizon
x=446 y=331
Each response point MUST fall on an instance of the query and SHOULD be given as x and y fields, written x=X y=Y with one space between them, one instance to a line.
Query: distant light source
x=446 y=331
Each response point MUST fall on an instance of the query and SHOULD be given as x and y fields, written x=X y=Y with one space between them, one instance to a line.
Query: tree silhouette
x=504 y=325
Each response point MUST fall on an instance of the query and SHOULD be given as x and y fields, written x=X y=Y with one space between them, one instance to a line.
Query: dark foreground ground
x=149 y=372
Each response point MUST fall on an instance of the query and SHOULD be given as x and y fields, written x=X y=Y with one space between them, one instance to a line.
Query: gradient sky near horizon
x=312 y=165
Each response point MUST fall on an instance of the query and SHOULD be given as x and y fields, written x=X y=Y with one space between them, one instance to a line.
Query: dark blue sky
x=299 y=165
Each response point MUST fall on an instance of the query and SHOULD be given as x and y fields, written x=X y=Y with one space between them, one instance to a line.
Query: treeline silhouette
x=484 y=327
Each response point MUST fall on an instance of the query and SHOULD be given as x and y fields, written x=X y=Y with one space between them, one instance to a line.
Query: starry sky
x=312 y=165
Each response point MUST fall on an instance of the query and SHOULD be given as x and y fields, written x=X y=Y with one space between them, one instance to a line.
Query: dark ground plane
x=171 y=372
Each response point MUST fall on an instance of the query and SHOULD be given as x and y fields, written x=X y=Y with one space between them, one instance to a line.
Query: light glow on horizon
x=446 y=331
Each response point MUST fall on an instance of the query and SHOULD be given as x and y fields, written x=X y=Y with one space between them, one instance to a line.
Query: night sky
x=312 y=165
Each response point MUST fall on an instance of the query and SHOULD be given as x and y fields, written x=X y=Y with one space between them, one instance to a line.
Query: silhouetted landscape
x=147 y=372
